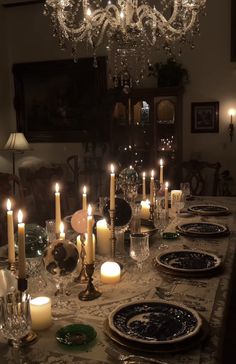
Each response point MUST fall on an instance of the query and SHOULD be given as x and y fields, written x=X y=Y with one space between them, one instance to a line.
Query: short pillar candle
x=41 y=313
x=110 y=272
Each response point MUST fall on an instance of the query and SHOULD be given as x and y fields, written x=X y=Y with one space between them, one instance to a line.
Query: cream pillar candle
x=89 y=247
x=57 y=210
x=10 y=233
x=144 y=186
x=145 y=210
x=62 y=232
x=152 y=187
x=21 y=246
x=161 y=171
x=103 y=238
x=175 y=196
x=41 y=313
x=84 y=202
x=166 y=195
x=110 y=272
x=112 y=188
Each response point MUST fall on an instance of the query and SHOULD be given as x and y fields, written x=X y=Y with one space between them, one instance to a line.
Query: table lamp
x=16 y=143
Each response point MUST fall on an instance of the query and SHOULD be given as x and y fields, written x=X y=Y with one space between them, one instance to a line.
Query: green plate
x=76 y=335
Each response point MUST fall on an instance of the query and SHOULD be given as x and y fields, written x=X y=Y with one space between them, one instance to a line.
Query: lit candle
x=110 y=272
x=103 y=238
x=62 y=232
x=152 y=187
x=10 y=233
x=145 y=210
x=85 y=242
x=166 y=196
x=41 y=313
x=144 y=186
x=112 y=189
x=21 y=246
x=175 y=197
x=84 y=203
x=58 y=210
x=89 y=245
x=161 y=171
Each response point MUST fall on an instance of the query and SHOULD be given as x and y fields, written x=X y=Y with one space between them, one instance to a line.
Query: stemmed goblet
x=161 y=220
x=139 y=248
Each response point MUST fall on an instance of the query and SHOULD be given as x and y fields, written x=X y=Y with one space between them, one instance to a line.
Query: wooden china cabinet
x=146 y=126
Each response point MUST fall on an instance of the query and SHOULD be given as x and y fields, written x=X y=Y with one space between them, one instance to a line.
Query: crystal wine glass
x=161 y=220
x=139 y=248
x=15 y=320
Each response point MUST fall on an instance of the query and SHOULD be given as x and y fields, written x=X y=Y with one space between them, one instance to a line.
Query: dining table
x=208 y=295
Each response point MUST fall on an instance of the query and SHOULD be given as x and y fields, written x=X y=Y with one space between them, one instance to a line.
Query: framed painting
x=205 y=117
x=62 y=101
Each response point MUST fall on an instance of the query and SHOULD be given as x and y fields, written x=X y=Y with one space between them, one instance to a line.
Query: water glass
x=139 y=248
x=161 y=221
x=50 y=229
x=15 y=320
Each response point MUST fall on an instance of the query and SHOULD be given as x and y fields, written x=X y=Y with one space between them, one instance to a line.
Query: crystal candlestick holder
x=90 y=293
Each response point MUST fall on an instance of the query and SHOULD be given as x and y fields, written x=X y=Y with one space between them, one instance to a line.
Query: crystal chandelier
x=129 y=29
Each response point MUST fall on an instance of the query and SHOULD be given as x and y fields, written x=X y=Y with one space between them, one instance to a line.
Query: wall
x=212 y=75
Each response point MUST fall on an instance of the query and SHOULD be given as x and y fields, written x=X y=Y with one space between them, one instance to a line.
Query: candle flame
x=112 y=168
x=84 y=190
x=144 y=174
x=8 y=204
x=61 y=227
x=130 y=167
x=89 y=210
x=167 y=184
x=161 y=162
x=152 y=173
x=89 y=13
x=57 y=187
x=20 y=216
x=231 y=112
x=122 y=14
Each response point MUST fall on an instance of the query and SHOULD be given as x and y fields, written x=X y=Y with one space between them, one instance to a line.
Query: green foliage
x=169 y=74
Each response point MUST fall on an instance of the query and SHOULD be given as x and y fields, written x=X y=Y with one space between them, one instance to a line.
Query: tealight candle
x=145 y=210
x=84 y=202
x=110 y=272
x=41 y=313
x=57 y=210
x=21 y=246
x=144 y=186
x=161 y=171
x=103 y=238
x=10 y=233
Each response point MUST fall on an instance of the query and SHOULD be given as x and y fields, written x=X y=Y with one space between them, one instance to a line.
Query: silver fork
x=131 y=358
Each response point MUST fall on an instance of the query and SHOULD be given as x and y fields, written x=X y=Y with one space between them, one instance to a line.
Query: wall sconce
x=231 y=113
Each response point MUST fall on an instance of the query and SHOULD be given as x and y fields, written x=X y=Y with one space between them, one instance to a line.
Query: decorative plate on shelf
x=202 y=229
x=76 y=335
x=209 y=210
x=154 y=322
x=192 y=261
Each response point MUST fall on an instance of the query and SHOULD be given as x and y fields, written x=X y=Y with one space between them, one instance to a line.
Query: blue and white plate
x=209 y=210
x=154 y=322
x=202 y=229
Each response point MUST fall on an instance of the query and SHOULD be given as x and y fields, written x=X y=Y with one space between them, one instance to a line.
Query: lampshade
x=17 y=142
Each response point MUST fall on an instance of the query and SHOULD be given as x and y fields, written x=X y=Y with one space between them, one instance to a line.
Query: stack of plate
x=155 y=326
x=187 y=263
x=203 y=229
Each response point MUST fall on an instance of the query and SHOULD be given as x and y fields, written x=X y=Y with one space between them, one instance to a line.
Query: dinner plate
x=182 y=346
x=76 y=335
x=192 y=261
x=209 y=210
x=202 y=229
x=154 y=322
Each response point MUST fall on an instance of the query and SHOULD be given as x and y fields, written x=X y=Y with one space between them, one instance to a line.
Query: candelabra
x=90 y=293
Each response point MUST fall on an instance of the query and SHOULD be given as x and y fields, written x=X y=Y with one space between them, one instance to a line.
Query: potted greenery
x=169 y=74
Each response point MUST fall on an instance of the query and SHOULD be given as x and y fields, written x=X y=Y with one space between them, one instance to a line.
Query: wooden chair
x=202 y=176
x=6 y=191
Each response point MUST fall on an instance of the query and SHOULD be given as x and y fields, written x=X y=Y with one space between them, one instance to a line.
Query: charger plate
x=188 y=261
x=183 y=346
x=202 y=229
x=209 y=210
x=154 y=322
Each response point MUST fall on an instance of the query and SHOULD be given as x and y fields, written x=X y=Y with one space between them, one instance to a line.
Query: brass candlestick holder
x=82 y=277
x=113 y=235
x=90 y=293
x=12 y=267
x=151 y=216
x=22 y=284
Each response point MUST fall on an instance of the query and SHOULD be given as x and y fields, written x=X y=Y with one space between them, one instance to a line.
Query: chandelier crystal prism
x=130 y=29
